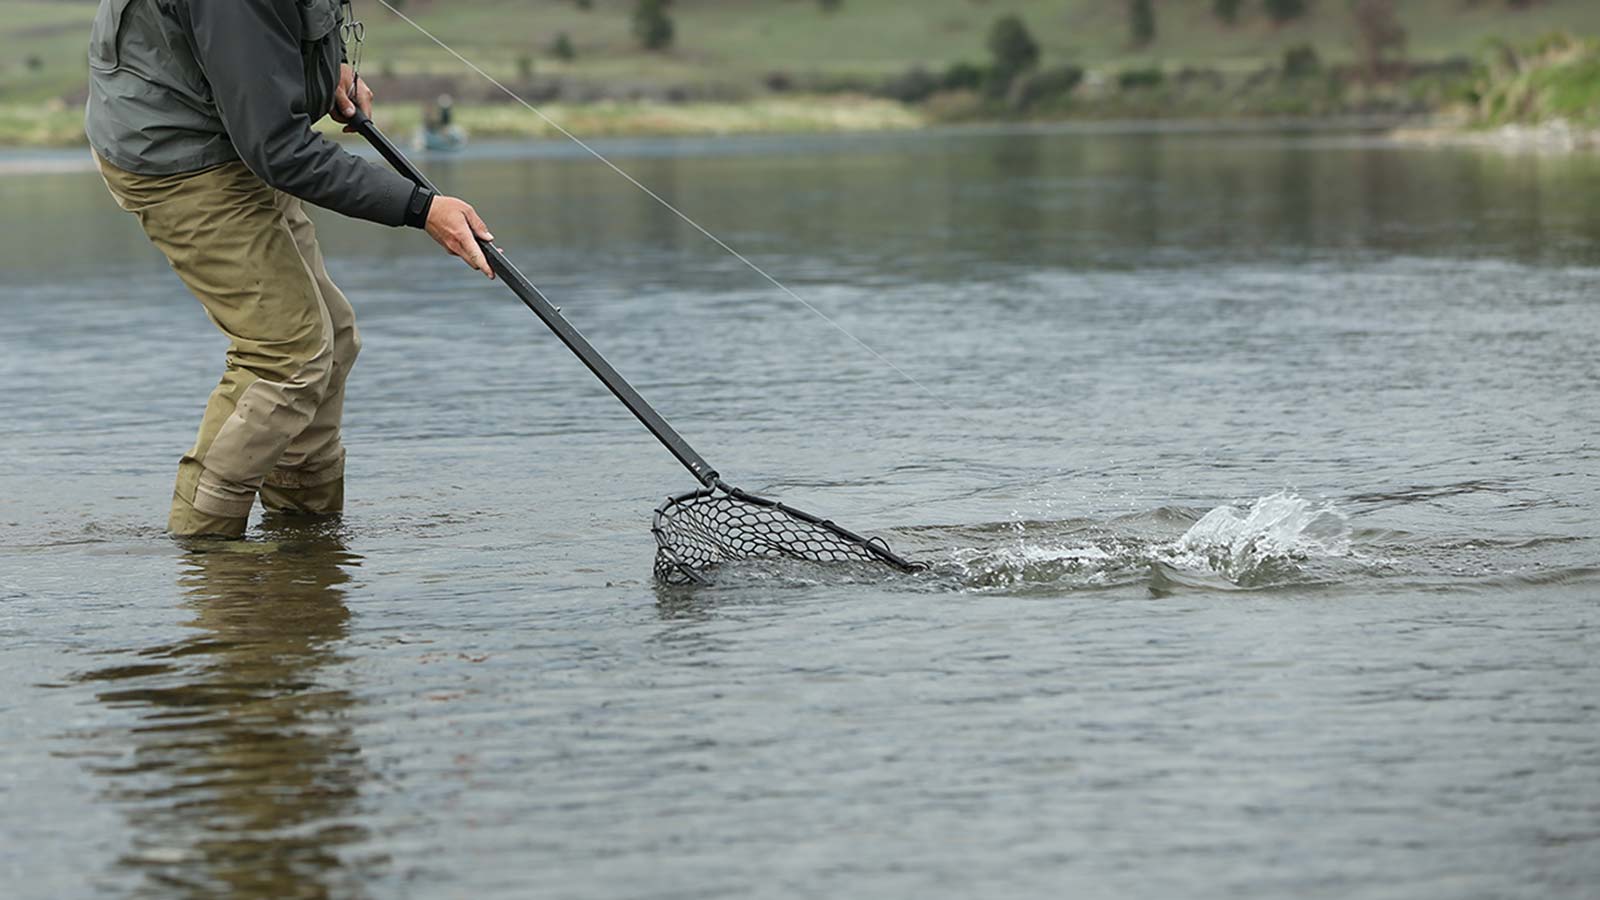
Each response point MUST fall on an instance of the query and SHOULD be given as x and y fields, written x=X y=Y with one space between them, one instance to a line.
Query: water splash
x=1279 y=539
x=1269 y=543
x=1081 y=564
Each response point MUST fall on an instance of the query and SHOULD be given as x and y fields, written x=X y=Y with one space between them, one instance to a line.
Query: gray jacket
x=181 y=85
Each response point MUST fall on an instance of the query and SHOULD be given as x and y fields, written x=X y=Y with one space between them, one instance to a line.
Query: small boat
x=438 y=133
x=439 y=140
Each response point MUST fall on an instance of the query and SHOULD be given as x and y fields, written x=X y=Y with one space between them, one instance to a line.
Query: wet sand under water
x=1259 y=507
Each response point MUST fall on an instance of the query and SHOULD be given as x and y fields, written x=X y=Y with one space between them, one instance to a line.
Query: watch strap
x=417 y=208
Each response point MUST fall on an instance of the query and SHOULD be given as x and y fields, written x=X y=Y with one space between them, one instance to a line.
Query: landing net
x=700 y=530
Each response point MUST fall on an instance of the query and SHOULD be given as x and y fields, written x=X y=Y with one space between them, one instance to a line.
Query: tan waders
x=272 y=425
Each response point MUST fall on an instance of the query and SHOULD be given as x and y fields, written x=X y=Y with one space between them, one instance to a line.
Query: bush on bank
x=1555 y=78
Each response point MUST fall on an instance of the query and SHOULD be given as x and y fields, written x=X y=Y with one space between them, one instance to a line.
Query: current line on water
x=663 y=201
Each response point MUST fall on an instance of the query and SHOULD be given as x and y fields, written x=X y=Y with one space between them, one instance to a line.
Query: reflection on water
x=916 y=207
x=240 y=775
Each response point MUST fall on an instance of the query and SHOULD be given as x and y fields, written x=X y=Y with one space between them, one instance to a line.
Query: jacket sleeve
x=250 y=50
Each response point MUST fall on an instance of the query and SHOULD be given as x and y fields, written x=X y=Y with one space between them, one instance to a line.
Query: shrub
x=1012 y=48
x=963 y=76
x=1300 y=61
x=1281 y=11
x=651 y=24
x=1226 y=10
x=1141 y=22
x=1139 y=79
x=563 y=49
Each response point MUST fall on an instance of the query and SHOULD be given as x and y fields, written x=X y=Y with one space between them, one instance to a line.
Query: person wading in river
x=200 y=117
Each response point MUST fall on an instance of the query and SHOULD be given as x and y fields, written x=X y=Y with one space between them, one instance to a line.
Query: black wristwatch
x=417 y=209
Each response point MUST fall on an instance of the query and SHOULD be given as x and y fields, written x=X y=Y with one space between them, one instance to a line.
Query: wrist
x=417 y=207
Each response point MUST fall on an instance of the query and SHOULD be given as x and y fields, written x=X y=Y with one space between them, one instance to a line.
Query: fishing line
x=661 y=200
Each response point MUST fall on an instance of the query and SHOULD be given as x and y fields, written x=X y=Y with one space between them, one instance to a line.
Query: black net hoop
x=699 y=530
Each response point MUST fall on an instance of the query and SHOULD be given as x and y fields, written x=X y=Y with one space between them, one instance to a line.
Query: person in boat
x=200 y=118
x=444 y=113
x=439 y=131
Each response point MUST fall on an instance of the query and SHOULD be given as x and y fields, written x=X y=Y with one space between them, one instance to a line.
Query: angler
x=200 y=117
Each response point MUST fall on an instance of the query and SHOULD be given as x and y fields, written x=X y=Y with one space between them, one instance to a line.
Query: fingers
x=363 y=98
x=466 y=244
x=343 y=108
x=457 y=228
x=478 y=227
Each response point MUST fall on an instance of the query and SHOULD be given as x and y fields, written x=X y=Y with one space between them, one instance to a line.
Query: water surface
x=1258 y=484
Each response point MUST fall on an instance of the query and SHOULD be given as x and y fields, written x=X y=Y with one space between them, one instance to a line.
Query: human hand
x=344 y=106
x=457 y=228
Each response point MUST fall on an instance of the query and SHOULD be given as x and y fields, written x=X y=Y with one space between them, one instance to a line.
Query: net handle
x=550 y=315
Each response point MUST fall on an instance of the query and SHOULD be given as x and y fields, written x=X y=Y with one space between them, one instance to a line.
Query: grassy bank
x=639 y=118
x=59 y=125
x=792 y=65
x=1542 y=96
x=1554 y=79
x=49 y=124
x=736 y=45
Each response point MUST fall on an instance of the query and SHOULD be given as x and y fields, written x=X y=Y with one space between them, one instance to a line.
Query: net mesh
x=698 y=531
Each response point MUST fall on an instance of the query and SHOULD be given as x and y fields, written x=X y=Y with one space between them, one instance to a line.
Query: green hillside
x=734 y=50
x=736 y=43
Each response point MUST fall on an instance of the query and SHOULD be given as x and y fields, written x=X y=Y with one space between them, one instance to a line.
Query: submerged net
x=697 y=531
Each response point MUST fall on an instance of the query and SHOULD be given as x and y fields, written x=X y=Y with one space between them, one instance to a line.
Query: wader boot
x=250 y=255
x=317 y=500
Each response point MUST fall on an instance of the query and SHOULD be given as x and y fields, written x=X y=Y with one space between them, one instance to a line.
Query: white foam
x=1279 y=528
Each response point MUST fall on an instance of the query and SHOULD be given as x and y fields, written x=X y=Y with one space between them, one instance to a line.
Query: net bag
x=699 y=530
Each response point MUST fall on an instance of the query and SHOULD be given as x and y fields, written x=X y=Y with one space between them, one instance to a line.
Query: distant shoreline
x=1555 y=137
x=75 y=158
x=44 y=160
x=1558 y=136
x=59 y=126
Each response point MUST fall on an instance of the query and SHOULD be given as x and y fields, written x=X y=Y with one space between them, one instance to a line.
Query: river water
x=1257 y=473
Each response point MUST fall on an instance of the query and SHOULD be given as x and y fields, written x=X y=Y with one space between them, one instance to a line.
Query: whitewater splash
x=1279 y=539
x=1272 y=542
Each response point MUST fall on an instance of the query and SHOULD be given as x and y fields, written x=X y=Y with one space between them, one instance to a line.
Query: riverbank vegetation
x=712 y=66
x=1554 y=79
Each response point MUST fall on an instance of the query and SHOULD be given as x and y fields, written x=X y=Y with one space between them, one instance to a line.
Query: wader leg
x=309 y=477
x=224 y=233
